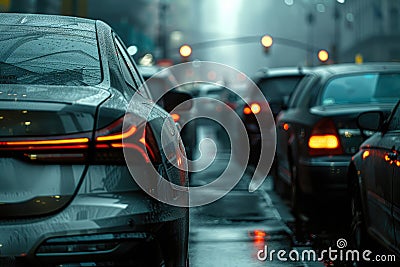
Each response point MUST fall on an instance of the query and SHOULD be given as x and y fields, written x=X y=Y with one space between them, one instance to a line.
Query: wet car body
x=374 y=179
x=66 y=194
x=325 y=105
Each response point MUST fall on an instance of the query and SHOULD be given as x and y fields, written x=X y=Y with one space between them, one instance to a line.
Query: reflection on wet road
x=231 y=231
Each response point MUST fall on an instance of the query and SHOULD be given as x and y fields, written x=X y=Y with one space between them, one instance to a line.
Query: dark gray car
x=318 y=133
x=374 y=183
x=276 y=84
x=66 y=194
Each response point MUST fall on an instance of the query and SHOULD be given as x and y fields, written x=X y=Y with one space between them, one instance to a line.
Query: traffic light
x=185 y=51
x=358 y=58
x=266 y=42
x=323 y=55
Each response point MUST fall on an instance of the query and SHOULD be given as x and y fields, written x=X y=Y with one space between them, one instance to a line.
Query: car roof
x=339 y=69
x=280 y=72
x=50 y=21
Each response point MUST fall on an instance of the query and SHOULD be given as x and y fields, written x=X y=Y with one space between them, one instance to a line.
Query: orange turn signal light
x=365 y=154
x=285 y=126
x=175 y=117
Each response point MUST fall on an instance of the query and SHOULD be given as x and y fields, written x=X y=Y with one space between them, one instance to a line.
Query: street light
x=185 y=51
x=267 y=42
x=323 y=55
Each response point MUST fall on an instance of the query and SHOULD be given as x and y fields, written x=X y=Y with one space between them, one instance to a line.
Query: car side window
x=298 y=95
x=312 y=96
x=394 y=124
x=131 y=70
x=124 y=64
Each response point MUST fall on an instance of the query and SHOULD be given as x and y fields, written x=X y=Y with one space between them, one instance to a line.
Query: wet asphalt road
x=231 y=231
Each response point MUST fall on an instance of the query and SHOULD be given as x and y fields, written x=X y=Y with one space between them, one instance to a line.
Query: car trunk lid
x=45 y=138
x=344 y=118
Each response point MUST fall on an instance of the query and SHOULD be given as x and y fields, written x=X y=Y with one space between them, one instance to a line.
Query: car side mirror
x=370 y=120
x=173 y=98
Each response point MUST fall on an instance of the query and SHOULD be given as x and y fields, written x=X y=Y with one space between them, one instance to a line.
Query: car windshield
x=362 y=88
x=275 y=89
x=48 y=56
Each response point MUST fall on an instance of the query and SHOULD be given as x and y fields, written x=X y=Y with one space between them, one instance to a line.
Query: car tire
x=296 y=196
x=359 y=234
x=279 y=185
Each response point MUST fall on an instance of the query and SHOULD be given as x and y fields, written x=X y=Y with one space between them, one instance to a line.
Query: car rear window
x=48 y=56
x=275 y=89
x=362 y=88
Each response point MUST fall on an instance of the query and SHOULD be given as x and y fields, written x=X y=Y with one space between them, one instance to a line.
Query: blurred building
x=371 y=29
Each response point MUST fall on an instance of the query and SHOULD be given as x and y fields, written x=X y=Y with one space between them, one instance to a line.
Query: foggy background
x=346 y=29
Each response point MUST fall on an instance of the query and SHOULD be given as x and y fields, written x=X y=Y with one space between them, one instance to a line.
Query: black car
x=67 y=196
x=318 y=133
x=277 y=85
x=374 y=183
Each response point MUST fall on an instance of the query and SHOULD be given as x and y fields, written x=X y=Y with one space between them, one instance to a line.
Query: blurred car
x=67 y=197
x=220 y=93
x=276 y=84
x=318 y=133
x=374 y=183
x=160 y=83
x=215 y=101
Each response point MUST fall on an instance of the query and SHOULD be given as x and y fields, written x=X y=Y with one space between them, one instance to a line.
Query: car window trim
x=119 y=49
x=386 y=130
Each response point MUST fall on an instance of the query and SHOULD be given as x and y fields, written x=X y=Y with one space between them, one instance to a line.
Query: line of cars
x=67 y=197
x=332 y=111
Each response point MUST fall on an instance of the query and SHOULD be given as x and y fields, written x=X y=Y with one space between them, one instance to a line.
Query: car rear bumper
x=93 y=228
x=324 y=176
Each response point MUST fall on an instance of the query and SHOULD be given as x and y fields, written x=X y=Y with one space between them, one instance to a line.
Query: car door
x=379 y=182
x=287 y=124
x=393 y=135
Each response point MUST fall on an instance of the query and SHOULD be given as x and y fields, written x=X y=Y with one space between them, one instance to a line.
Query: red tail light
x=176 y=117
x=109 y=143
x=66 y=148
x=38 y=144
x=324 y=139
x=107 y=147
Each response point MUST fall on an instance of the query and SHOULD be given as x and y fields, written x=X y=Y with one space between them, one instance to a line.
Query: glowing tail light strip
x=45 y=142
x=120 y=136
x=55 y=144
x=105 y=142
